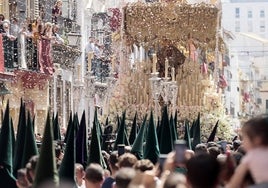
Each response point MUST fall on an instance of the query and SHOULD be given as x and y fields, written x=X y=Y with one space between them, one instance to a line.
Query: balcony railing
x=25 y=56
x=65 y=55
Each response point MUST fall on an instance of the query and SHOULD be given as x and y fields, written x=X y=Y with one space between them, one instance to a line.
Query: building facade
x=41 y=92
x=246 y=24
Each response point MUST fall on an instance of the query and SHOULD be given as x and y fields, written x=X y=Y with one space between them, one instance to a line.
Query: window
x=237 y=12
x=250 y=26
x=237 y=26
x=262 y=13
x=262 y=26
x=249 y=13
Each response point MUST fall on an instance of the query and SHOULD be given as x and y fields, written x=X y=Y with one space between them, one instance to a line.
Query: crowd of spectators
x=240 y=163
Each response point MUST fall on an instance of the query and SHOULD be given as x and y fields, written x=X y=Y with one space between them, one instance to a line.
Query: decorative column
x=90 y=95
x=156 y=88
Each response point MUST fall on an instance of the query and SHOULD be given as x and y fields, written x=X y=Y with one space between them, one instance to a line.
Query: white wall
x=229 y=18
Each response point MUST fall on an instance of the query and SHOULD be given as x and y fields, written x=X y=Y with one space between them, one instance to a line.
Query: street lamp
x=74 y=39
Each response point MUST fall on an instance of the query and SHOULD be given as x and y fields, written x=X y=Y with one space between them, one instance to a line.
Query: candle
x=154 y=63
x=173 y=74
x=136 y=53
x=166 y=68
x=89 y=58
x=141 y=53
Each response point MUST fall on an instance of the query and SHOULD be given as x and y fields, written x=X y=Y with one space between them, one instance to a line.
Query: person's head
x=203 y=171
x=30 y=167
x=124 y=176
x=79 y=172
x=91 y=39
x=2 y=17
x=38 y=20
x=6 y=25
x=94 y=175
x=112 y=161
x=143 y=165
x=14 y=20
x=22 y=181
x=255 y=132
x=58 y=3
x=214 y=151
x=127 y=160
x=58 y=152
x=48 y=26
x=200 y=149
x=236 y=144
x=189 y=154
x=107 y=173
x=212 y=144
x=55 y=28
x=175 y=180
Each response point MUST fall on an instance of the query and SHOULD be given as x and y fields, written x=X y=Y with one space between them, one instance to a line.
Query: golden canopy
x=150 y=23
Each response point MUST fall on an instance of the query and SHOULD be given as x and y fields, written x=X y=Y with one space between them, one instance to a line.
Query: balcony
x=65 y=55
x=15 y=65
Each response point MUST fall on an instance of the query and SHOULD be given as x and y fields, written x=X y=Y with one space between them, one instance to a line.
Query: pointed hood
x=20 y=139
x=121 y=137
x=107 y=121
x=95 y=155
x=46 y=170
x=33 y=123
x=137 y=147
x=30 y=147
x=106 y=137
x=70 y=123
x=213 y=133
x=133 y=131
x=13 y=138
x=81 y=142
x=67 y=170
x=172 y=129
x=176 y=123
x=76 y=122
x=166 y=142
x=151 y=150
x=197 y=132
x=56 y=128
x=100 y=132
x=187 y=137
x=192 y=129
x=6 y=152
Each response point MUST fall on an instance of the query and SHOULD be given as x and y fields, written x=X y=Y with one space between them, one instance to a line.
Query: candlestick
x=173 y=74
x=154 y=63
x=166 y=68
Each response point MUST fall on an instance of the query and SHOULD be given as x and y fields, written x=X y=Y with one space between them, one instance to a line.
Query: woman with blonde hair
x=36 y=29
x=45 y=62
